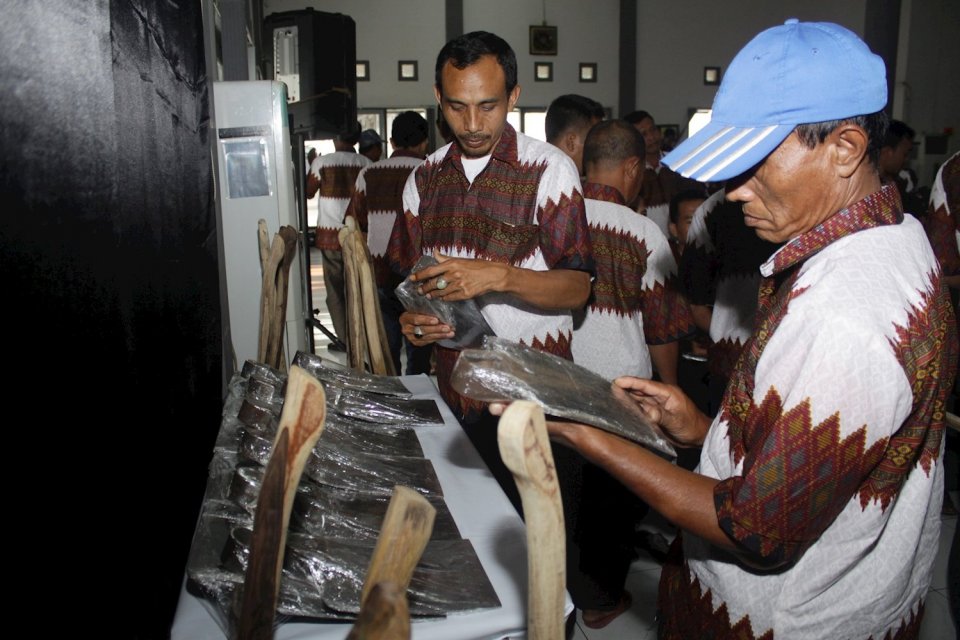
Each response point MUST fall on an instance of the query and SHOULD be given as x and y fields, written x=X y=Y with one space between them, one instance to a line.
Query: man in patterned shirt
x=504 y=215
x=720 y=275
x=942 y=221
x=815 y=510
x=660 y=183
x=334 y=176
x=376 y=203
x=635 y=298
x=635 y=293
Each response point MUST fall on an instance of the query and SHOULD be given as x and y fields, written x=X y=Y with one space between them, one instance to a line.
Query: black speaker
x=315 y=54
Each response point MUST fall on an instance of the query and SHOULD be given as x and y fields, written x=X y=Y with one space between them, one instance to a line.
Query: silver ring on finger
x=442 y=283
x=418 y=331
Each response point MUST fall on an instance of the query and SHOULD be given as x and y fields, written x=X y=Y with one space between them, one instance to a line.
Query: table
x=483 y=514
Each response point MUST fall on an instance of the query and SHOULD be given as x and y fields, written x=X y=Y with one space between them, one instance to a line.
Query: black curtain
x=108 y=241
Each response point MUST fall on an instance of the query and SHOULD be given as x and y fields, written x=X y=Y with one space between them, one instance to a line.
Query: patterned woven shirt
x=634 y=298
x=376 y=203
x=337 y=174
x=943 y=217
x=524 y=208
x=829 y=443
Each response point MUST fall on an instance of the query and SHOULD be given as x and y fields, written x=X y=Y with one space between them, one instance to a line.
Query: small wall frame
x=363 y=70
x=543 y=71
x=407 y=71
x=588 y=72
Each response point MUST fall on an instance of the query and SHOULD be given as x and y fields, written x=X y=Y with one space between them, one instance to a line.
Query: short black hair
x=897 y=130
x=352 y=135
x=408 y=130
x=874 y=124
x=467 y=49
x=612 y=141
x=684 y=196
x=636 y=116
x=571 y=110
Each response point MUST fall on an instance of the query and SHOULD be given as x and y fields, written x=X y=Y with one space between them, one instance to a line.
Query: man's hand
x=460 y=278
x=668 y=407
x=456 y=279
x=421 y=329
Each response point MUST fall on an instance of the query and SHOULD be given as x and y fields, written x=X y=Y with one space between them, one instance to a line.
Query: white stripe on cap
x=734 y=156
x=697 y=150
x=729 y=143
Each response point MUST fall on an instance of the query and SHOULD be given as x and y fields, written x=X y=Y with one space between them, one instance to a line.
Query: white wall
x=930 y=90
x=388 y=31
x=586 y=32
x=393 y=30
x=677 y=39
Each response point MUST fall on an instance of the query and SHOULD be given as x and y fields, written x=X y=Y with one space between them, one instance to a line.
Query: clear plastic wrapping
x=463 y=316
x=338 y=510
x=334 y=374
x=503 y=370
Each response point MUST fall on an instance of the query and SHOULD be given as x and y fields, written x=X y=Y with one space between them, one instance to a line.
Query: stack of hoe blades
x=301 y=424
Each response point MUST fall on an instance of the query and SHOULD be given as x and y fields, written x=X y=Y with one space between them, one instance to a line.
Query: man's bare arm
x=665 y=357
x=464 y=278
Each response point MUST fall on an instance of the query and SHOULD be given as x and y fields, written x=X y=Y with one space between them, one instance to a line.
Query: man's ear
x=849 y=144
x=570 y=140
x=633 y=167
x=513 y=97
x=436 y=93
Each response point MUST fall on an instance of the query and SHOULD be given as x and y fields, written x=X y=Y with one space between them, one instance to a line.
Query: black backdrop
x=112 y=350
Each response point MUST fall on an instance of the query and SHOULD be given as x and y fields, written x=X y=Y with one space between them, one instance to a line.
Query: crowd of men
x=774 y=242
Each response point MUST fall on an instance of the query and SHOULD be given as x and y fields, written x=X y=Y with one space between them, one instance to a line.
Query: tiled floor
x=638 y=623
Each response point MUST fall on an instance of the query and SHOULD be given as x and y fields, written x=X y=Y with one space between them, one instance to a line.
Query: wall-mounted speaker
x=315 y=54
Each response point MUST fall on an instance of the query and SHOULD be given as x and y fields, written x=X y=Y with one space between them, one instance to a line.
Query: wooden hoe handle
x=301 y=423
x=525 y=449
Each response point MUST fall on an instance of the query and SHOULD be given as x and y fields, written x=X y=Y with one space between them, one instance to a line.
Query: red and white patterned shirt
x=829 y=443
x=337 y=173
x=943 y=217
x=634 y=300
x=376 y=203
x=524 y=208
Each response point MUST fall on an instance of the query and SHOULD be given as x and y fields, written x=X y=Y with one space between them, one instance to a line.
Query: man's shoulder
x=531 y=150
x=396 y=162
x=342 y=159
x=620 y=218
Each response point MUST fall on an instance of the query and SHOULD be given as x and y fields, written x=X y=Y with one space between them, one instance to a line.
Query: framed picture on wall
x=543 y=40
x=543 y=71
x=407 y=70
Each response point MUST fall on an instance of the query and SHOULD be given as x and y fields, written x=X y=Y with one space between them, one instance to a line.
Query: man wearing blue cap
x=815 y=509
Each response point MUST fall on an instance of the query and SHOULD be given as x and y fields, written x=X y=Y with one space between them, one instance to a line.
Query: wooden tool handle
x=301 y=423
x=356 y=342
x=381 y=362
x=525 y=449
x=384 y=616
x=403 y=536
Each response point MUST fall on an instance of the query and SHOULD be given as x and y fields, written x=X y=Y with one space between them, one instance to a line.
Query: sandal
x=600 y=619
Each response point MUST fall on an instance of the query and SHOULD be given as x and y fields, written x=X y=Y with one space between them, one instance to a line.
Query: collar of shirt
x=878 y=209
x=504 y=151
x=403 y=153
x=606 y=193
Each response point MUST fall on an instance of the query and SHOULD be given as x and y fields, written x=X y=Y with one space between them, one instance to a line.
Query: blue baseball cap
x=792 y=74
